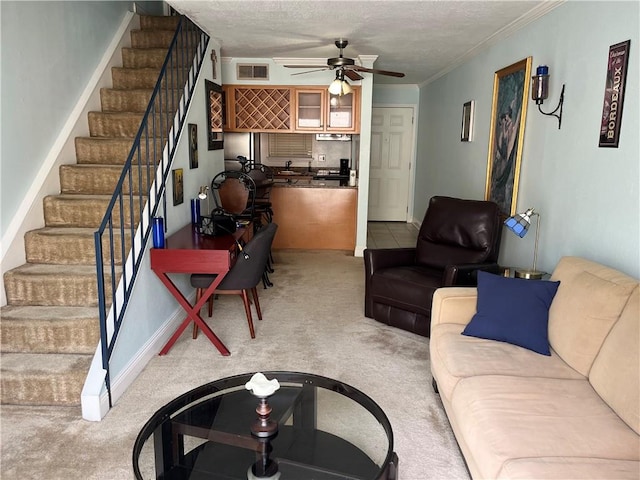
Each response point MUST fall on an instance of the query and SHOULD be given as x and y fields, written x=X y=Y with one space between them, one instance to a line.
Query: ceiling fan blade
x=352 y=74
x=304 y=66
x=310 y=71
x=380 y=72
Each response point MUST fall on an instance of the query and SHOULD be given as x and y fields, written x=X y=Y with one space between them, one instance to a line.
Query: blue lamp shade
x=519 y=223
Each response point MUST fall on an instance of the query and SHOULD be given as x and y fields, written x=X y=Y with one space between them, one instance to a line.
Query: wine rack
x=260 y=109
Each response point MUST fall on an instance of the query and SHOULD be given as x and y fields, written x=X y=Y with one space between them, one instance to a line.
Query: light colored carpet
x=313 y=322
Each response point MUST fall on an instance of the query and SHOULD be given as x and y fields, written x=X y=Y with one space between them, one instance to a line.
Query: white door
x=391 y=146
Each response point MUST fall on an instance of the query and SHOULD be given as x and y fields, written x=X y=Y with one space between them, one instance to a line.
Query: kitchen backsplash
x=333 y=151
x=257 y=145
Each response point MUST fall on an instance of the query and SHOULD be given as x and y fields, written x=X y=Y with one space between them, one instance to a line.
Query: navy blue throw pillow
x=513 y=310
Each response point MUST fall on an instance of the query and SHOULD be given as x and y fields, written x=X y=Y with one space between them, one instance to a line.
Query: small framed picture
x=193 y=145
x=466 y=134
x=178 y=187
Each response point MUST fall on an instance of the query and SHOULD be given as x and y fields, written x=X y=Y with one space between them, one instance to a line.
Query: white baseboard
x=95 y=399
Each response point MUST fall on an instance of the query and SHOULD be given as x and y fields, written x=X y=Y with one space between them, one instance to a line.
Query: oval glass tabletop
x=323 y=429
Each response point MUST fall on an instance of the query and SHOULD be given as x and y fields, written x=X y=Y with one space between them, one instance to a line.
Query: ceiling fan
x=345 y=66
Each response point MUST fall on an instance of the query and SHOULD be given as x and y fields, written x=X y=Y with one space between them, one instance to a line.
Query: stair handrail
x=150 y=157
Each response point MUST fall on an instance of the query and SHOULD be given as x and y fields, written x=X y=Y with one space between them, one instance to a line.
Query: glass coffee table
x=319 y=429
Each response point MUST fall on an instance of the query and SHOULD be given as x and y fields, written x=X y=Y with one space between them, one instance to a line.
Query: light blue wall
x=49 y=52
x=588 y=196
x=395 y=94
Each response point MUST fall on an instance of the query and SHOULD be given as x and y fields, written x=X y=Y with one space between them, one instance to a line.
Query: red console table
x=188 y=251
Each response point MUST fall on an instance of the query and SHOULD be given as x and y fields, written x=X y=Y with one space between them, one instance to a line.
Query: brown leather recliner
x=457 y=238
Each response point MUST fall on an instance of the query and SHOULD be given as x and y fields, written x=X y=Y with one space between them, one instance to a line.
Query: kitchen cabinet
x=288 y=109
x=258 y=109
x=317 y=111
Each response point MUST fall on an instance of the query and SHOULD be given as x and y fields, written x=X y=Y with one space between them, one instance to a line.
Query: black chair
x=262 y=175
x=456 y=239
x=243 y=277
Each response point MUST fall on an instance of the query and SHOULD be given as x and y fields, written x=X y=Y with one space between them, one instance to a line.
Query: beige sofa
x=574 y=414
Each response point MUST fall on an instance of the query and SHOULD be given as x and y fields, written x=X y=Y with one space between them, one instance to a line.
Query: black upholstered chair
x=243 y=277
x=456 y=239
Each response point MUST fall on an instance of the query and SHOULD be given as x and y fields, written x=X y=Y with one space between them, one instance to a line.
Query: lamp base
x=529 y=274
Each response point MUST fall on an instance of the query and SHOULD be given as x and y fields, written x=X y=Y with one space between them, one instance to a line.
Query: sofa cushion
x=615 y=373
x=587 y=304
x=455 y=356
x=562 y=468
x=502 y=418
x=513 y=310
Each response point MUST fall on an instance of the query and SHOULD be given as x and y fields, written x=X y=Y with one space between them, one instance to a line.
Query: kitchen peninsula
x=314 y=214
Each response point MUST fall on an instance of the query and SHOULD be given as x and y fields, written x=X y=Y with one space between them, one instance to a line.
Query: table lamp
x=519 y=224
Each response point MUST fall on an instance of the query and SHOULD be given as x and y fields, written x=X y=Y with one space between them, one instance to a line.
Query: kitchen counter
x=308 y=183
x=313 y=215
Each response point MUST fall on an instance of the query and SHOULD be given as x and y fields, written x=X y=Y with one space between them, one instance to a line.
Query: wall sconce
x=340 y=86
x=519 y=224
x=540 y=92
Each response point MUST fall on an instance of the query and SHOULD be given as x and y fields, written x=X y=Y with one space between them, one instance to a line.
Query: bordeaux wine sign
x=617 y=64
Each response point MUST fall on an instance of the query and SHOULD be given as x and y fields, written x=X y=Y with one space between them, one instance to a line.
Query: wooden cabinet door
x=310 y=114
x=343 y=113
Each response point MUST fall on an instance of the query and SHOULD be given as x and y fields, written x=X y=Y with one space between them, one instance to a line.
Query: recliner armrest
x=377 y=258
x=466 y=275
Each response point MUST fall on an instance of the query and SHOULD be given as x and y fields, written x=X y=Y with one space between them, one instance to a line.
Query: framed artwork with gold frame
x=506 y=137
x=178 y=186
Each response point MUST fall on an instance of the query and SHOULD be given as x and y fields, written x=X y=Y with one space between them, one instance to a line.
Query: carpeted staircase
x=50 y=329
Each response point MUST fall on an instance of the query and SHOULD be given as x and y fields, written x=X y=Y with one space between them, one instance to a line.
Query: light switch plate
x=322 y=157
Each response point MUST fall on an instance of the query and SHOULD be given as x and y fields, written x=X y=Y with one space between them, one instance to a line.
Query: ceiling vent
x=248 y=71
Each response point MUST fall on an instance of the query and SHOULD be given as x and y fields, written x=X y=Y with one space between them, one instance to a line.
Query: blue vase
x=158 y=232
x=195 y=211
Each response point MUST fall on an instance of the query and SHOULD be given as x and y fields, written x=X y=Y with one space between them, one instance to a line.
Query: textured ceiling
x=423 y=39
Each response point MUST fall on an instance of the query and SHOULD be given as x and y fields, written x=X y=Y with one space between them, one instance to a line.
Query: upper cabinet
x=282 y=109
x=310 y=111
x=258 y=109
x=318 y=111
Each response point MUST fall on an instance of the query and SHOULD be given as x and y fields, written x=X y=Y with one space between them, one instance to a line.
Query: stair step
x=153 y=22
x=155 y=38
x=37 y=329
x=137 y=78
x=113 y=150
x=154 y=57
x=43 y=379
x=125 y=124
x=85 y=211
x=143 y=78
x=103 y=150
x=120 y=124
x=70 y=246
x=100 y=179
x=55 y=285
x=132 y=100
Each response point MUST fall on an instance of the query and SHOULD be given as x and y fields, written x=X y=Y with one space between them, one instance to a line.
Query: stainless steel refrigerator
x=241 y=144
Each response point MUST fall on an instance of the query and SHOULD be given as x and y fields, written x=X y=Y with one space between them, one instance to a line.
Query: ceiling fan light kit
x=340 y=86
